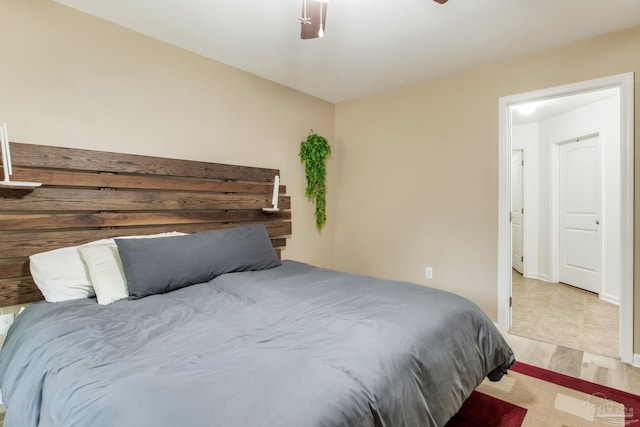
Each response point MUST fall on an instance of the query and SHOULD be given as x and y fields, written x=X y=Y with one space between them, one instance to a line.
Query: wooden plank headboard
x=89 y=195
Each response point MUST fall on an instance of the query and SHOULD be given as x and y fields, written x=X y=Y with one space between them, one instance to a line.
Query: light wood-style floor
x=608 y=371
x=564 y=315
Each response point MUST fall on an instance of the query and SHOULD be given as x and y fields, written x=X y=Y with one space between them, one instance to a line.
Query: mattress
x=294 y=345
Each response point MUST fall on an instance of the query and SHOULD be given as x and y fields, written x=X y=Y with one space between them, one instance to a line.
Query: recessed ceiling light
x=526 y=109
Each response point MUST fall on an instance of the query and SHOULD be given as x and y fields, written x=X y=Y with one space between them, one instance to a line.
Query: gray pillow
x=164 y=264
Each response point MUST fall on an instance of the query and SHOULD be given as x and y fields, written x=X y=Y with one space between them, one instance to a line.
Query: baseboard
x=636 y=360
x=537 y=276
x=610 y=298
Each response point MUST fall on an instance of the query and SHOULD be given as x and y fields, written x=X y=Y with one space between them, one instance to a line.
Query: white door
x=580 y=190
x=517 y=210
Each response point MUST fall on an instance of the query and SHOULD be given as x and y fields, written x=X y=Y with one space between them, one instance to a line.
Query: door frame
x=524 y=192
x=625 y=82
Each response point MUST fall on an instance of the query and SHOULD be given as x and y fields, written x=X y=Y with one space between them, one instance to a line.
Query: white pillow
x=105 y=270
x=61 y=274
x=105 y=267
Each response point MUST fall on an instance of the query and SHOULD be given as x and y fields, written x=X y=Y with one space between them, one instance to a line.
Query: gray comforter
x=291 y=346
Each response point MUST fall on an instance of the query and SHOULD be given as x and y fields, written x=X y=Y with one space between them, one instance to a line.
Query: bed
x=216 y=329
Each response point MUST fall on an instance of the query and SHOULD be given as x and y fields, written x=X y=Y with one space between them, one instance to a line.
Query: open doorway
x=543 y=225
x=573 y=144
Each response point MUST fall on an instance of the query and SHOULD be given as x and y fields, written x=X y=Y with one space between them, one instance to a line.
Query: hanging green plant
x=313 y=153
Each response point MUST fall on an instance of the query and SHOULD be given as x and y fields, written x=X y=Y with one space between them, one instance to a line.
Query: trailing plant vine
x=313 y=153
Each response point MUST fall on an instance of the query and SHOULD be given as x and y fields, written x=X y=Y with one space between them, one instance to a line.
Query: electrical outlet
x=5 y=321
x=428 y=273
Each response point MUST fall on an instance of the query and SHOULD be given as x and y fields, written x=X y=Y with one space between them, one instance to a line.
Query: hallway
x=563 y=315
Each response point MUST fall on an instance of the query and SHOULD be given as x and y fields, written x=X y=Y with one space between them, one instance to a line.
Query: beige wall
x=69 y=79
x=418 y=168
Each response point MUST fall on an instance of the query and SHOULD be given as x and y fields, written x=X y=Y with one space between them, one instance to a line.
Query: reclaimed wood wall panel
x=90 y=195
x=75 y=199
x=15 y=268
x=106 y=179
x=24 y=244
x=47 y=221
x=46 y=157
x=19 y=291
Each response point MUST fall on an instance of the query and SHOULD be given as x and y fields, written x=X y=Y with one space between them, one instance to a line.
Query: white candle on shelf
x=6 y=160
x=6 y=142
x=276 y=189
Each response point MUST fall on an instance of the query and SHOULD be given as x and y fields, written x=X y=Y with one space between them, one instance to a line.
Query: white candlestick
x=5 y=155
x=6 y=141
x=276 y=189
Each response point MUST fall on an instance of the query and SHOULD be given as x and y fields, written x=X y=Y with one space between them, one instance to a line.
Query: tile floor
x=603 y=370
x=561 y=314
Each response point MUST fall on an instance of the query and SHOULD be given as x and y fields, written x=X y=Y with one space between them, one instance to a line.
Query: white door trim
x=625 y=83
x=523 y=195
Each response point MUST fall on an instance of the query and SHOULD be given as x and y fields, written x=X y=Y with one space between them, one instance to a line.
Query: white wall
x=601 y=117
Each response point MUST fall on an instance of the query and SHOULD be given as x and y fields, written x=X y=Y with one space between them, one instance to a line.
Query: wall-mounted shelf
x=19 y=184
x=6 y=164
x=274 y=199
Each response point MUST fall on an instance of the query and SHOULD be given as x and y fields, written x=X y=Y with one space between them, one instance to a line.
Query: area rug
x=532 y=397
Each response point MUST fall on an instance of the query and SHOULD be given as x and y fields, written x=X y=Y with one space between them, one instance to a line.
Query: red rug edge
x=488 y=410
x=626 y=398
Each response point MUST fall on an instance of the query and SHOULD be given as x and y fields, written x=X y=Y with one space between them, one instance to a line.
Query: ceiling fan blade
x=440 y=1
x=316 y=18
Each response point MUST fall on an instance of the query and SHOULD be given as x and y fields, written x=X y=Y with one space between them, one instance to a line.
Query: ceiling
x=369 y=45
x=553 y=107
